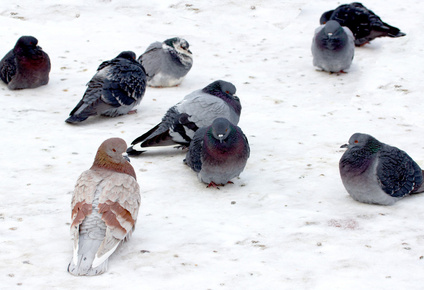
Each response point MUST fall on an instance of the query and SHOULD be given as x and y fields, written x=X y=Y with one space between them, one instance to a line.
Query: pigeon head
x=179 y=44
x=332 y=36
x=364 y=143
x=221 y=128
x=220 y=87
x=127 y=55
x=26 y=43
x=110 y=156
x=224 y=90
x=361 y=150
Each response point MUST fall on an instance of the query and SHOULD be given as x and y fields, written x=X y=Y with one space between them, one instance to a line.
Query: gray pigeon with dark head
x=377 y=173
x=364 y=24
x=218 y=152
x=26 y=65
x=333 y=47
x=196 y=110
x=116 y=88
x=167 y=63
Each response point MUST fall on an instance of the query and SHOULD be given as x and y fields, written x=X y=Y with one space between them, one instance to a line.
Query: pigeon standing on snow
x=26 y=65
x=363 y=23
x=218 y=152
x=116 y=88
x=374 y=172
x=333 y=47
x=167 y=63
x=196 y=110
x=105 y=206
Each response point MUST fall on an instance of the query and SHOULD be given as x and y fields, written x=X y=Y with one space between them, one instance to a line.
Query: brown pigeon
x=105 y=206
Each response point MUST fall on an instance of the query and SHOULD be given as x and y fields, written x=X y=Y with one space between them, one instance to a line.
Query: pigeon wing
x=8 y=67
x=81 y=204
x=124 y=83
x=397 y=173
x=151 y=59
x=203 y=109
x=194 y=155
x=119 y=203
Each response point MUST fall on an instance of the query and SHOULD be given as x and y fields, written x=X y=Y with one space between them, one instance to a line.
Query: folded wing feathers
x=118 y=204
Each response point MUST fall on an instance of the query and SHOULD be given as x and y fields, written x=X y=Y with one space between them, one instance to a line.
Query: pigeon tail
x=133 y=152
x=421 y=188
x=157 y=136
x=143 y=137
x=75 y=119
x=86 y=254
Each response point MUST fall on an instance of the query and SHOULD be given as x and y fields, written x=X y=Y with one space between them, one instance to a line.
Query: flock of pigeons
x=106 y=197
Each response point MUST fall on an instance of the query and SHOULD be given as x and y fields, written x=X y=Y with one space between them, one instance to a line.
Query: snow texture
x=287 y=222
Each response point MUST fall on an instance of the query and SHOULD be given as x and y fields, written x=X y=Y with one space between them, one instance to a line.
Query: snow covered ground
x=287 y=222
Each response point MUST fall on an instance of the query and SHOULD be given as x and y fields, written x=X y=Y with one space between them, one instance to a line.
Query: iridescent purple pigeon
x=26 y=66
x=364 y=24
x=377 y=173
x=198 y=109
x=116 y=88
x=218 y=152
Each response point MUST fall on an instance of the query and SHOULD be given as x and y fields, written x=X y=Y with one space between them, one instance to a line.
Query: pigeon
x=218 y=152
x=363 y=23
x=105 y=206
x=196 y=110
x=116 y=88
x=377 y=173
x=26 y=66
x=333 y=47
x=167 y=63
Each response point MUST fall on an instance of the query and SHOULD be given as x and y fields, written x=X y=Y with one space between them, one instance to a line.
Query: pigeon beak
x=220 y=137
x=330 y=34
x=125 y=155
x=189 y=51
x=344 y=146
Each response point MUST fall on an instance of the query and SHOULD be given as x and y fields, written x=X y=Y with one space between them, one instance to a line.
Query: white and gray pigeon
x=364 y=24
x=105 y=206
x=196 y=110
x=218 y=153
x=116 y=88
x=167 y=63
x=377 y=173
x=26 y=65
x=333 y=47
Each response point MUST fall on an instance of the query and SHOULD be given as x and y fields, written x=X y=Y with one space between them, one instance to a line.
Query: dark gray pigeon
x=333 y=47
x=364 y=24
x=374 y=172
x=218 y=152
x=116 y=88
x=167 y=63
x=26 y=65
x=196 y=110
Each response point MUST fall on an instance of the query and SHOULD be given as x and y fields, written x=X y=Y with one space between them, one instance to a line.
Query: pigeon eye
x=356 y=141
x=227 y=92
x=114 y=150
